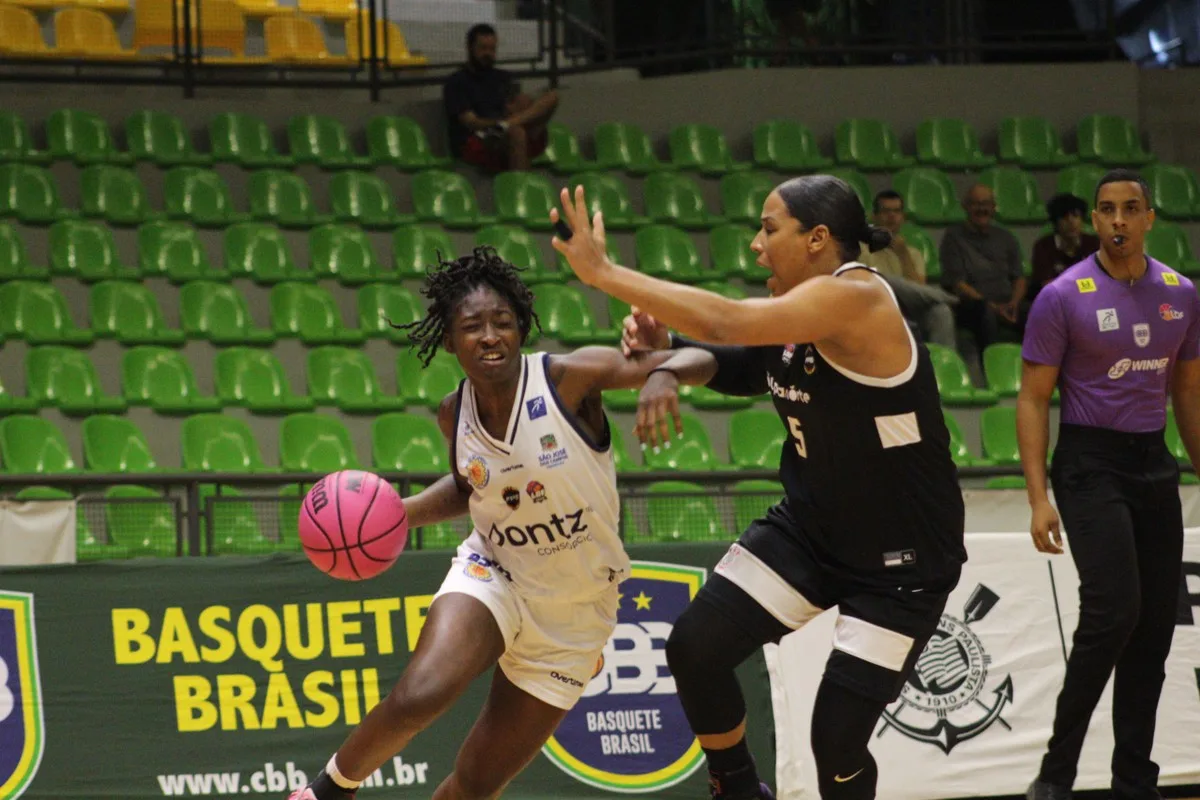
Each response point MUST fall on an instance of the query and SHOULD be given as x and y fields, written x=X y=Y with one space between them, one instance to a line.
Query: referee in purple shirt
x=1114 y=333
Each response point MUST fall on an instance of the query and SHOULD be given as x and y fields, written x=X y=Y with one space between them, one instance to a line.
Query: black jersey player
x=873 y=516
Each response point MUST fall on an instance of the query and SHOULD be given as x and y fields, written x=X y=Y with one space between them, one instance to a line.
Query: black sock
x=733 y=772
x=324 y=788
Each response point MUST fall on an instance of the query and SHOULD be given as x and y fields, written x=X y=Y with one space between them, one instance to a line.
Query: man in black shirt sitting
x=491 y=123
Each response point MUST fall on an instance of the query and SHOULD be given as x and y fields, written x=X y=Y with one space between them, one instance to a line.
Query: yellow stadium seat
x=87 y=33
x=107 y=6
x=389 y=39
x=330 y=9
x=40 y=5
x=155 y=23
x=219 y=26
x=263 y=8
x=298 y=40
x=20 y=34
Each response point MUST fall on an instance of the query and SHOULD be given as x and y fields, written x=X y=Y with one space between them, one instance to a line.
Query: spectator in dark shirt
x=1067 y=245
x=491 y=123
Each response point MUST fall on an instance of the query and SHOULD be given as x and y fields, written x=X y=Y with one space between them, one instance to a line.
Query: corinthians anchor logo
x=950 y=682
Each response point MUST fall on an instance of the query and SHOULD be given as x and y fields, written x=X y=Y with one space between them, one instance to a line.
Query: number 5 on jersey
x=798 y=435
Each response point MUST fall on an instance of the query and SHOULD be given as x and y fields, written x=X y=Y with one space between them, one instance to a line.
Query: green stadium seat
x=381 y=306
x=1016 y=194
x=255 y=379
x=364 y=198
x=954 y=382
x=87 y=547
x=260 y=253
x=283 y=198
x=566 y=316
x=929 y=197
x=950 y=143
x=622 y=146
x=160 y=137
x=173 y=250
x=607 y=193
x=787 y=146
x=129 y=312
x=998 y=429
x=1031 y=142
x=958 y=446
x=315 y=443
x=15 y=142
x=1080 y=180
x=401 y=143
x=742 y=196
x=66 y=379
x=14 y=404
x=218 y=312
x=244 y=139
x=610 y=245
x=756 y=439
x=704 y=398
x=681 y=511
x=86 y=251
x=14 y=259
x=1168 y=243
x=321 y=140
x=1175 y=190
x=858 y=182
x=235 y=526
x=620 y=399
x=1110 y=140
x=618 y=310
x=666 y=252
x=344 y=254
x=114 y=194
x=37 y=313
x=1006 y=482
x=415 y=248
x=702 y=148
x=730 y=255
x=869 y=145
x=32 y=445
x=217 y=443
x=518 y=247
x=524 y=198
x=142 y=520
x=341 y=377
x=1002 y=364
x=724 y=289
x=82 y=137
x=162 y=379
x=408 y=443
x=309 y=313
x=675 y=198
x=199 y=195
x=29 y=193
x=562 y=153
x=426 y=386
x=113 y=445
x=752 y=498
x=622 y=460
x=446 y=198
x=692 y=453
x=916 y=236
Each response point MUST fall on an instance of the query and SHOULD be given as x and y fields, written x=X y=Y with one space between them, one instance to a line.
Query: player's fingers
x=581 y=222
x=639 y=427
x=678 y=415
x=664 y=420
x=598 y=228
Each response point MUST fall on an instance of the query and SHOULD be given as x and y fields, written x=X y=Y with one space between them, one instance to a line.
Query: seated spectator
x=981 y=263
x=903 y=267
x=1068 y=245
x=491 y=123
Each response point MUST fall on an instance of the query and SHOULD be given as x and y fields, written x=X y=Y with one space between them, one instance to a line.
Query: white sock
x=337 y=777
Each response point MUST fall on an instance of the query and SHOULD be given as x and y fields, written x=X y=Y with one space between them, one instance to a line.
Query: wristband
x=663 y=369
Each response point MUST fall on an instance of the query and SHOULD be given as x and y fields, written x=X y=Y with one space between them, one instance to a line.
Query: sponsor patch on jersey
x=810 y=361
x=1168 y=312
x=536 y=491
x=1085 y=285
x=22 y=734
x=477 y=472
x=477 y=571
x=552 y=455
x=1106 y=319
x=628 y=733
x=789 y=350
x=536 y=407
x=512 y=496
x=1170 y=279
x=1158 y=365
x=1141 y=334
x=512 y=468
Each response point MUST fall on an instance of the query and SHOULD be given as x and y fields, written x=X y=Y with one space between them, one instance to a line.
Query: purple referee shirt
x=1115 y=345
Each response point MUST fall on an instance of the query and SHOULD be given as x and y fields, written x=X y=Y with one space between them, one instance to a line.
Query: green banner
x=238 y=677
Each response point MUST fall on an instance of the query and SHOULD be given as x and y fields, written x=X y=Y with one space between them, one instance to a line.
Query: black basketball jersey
x=866 y=467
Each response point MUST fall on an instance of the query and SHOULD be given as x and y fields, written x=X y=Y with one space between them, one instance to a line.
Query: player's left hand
x=586 y=251
x=658 y=404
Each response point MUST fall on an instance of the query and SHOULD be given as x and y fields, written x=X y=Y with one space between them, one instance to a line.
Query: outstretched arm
x=590 y=370
x=449 y=496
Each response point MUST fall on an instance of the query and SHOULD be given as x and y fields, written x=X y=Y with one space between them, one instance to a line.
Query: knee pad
x=702 y=652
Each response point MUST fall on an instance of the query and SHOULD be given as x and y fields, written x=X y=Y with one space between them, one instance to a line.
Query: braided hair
x=450 y=281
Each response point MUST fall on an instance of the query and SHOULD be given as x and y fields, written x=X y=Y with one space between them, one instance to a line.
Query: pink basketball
x=353 y=525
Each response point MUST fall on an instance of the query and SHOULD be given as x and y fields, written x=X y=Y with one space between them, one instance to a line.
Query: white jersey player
x=533 y=589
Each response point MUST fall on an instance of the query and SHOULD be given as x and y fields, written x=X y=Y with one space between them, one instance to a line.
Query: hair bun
x=877 y=238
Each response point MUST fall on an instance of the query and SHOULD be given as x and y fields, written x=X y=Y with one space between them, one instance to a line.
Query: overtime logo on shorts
x=22 y=736
x=628 y=732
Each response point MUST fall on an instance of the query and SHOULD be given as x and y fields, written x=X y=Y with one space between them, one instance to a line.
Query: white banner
x=37 y=532
x=975 y=717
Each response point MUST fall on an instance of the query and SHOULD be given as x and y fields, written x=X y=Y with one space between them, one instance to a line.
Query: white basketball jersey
x=544 y=500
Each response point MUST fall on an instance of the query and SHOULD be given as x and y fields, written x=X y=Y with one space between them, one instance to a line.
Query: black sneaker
x=764 y=792
x=1040 y=790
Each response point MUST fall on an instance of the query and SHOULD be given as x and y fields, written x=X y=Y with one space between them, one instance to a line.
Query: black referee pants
x=1118 y=497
